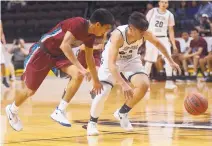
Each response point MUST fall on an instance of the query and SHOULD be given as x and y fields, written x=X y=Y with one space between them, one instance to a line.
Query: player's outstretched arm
x=67 y=50
x=97 y=86
x=155 y=41
x=116 y=42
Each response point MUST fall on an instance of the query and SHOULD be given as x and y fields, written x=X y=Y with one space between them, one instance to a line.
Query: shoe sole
x=63 y=124
x=8 y=117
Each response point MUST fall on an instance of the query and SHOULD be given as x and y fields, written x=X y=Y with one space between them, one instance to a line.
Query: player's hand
x=127 y=90
x=86 y=74
x=176 y=67
x=97 y=87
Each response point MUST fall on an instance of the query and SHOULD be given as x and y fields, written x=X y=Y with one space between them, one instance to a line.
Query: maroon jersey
x=77 y=26
x=196 y=44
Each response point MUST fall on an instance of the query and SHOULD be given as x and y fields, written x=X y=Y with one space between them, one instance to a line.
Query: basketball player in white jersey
x=2 y=59
x=160 y=21
x=121 y=55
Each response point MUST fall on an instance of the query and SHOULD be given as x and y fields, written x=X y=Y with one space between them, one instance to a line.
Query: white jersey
x=159 y=22
x=184 y=45
x=127 y=52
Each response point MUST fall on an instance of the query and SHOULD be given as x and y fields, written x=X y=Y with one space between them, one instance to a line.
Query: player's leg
x=33 y=76
x=151 y=56
x=97 y=105
x=71 y=89
x=3 y=70
x=3 y=74
x=202 y=63
x=209 y=63
x=134 y=72
x=185 y=67
x=140 y=82
x=169 y=80
x=196 y=63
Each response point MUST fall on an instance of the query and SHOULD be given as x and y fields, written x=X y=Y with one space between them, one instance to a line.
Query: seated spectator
x=197 y=50
x=207 y=61
x=19 y=54
x=204 y=28
x=184 y=44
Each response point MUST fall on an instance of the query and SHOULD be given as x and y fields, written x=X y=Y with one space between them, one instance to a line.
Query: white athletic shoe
x=170 y=86
x=124 y=121
x=60 y=117
x=92 y=129
x=13 y=118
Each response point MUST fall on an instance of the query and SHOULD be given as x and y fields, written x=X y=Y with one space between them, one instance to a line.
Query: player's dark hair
x=139 y=21
x=195 y=29
x=102 y=16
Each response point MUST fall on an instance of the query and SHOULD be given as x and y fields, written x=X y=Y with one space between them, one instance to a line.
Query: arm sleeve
x=171 y=20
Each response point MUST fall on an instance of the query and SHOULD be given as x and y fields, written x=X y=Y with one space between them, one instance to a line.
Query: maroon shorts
x=96 y=55
x=37 y=65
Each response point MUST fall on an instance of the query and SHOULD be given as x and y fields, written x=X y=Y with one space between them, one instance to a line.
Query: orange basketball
x=195 y=104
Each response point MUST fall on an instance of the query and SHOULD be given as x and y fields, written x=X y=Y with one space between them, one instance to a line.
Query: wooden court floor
x=159 y=119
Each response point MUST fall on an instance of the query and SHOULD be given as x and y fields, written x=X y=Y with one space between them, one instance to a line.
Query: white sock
x=148 y=67
x=14 y=108
x=63 y=105
x=206 y=73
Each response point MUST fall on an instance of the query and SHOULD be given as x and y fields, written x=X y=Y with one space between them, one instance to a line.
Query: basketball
x=196 y=104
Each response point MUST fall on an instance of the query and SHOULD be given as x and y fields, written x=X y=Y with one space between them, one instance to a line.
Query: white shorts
x=128 y=69
x=152 y=52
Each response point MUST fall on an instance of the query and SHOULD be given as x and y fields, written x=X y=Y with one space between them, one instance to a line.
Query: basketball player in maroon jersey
x=54 y=49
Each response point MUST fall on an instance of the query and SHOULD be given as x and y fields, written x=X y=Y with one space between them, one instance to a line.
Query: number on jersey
x=159 y=23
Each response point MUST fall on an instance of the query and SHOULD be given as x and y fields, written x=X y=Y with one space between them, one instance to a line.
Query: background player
x=55 y=50
x=121 y=55
x=161 y=20
x=2 y=60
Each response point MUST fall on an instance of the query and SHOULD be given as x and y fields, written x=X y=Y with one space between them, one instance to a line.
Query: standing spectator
x=197 y=50
x=19 y=54
x=205 y=8
x=184 y=44
x=149 y=6
x=204 y=28
x=181 y=13
x=191 y=11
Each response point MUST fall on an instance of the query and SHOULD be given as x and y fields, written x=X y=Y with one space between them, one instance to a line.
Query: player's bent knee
x=105 y=92
x=78 y=76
